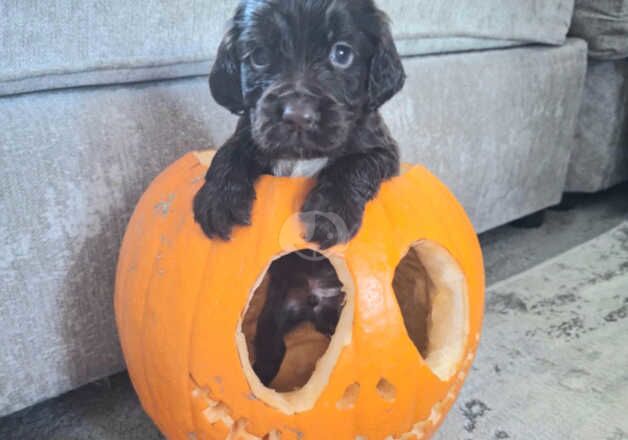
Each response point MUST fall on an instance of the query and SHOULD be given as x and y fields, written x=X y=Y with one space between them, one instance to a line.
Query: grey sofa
x=97 y=97
x=600 y=156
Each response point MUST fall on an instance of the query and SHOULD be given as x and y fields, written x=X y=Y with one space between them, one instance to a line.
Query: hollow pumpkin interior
x=310 y=355
x=432 y=295
x=304 y=344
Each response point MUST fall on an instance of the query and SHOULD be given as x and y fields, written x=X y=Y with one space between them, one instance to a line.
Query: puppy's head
x=306 y=71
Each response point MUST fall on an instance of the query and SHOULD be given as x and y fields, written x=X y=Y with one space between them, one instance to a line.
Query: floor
x=109 y=409
x=552 y=360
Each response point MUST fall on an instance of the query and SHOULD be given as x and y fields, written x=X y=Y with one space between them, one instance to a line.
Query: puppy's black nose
x=300 y=113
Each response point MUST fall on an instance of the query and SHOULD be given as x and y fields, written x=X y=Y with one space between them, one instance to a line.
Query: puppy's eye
x=342 y=55
x=260 y=58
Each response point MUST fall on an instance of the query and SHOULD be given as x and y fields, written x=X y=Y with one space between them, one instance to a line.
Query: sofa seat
x=51 y=45
x=496 y=126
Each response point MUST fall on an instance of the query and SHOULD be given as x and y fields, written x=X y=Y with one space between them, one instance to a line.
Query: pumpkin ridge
x=149 y=402
x=192 y=326
x=142 y=205
x=155 y=405
x=385 y=203
x=175 y=191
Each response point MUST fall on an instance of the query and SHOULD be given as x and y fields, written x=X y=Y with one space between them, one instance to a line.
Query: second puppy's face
x=306 y=71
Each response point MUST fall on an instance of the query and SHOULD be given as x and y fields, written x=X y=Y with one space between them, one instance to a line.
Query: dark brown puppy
x=307 y=79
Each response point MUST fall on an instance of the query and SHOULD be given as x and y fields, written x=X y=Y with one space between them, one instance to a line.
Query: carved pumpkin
x=186 y=308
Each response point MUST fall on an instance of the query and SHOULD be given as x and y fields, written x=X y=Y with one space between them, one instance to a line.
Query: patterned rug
x=553 y=361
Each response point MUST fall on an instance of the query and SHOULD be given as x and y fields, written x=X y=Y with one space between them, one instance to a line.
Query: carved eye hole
x=260 y=58
x=342 y=55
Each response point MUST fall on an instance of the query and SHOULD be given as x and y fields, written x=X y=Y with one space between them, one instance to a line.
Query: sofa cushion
x=604 y=25
x=435 y=46
x=496 y=126
x=48 y=45
x=531 y=21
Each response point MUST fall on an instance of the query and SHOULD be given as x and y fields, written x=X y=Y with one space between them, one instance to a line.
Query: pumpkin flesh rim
x=448 y=319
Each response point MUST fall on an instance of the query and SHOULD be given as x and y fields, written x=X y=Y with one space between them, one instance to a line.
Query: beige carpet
x=553 y=361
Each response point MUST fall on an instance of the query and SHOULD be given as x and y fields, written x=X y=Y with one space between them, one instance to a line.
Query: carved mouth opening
x=294 y=327
x=432 y=294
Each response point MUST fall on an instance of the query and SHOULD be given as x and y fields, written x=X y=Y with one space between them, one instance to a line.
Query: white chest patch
x=299 y=168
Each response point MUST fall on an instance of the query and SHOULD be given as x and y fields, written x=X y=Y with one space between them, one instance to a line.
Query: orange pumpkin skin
x=180 y=298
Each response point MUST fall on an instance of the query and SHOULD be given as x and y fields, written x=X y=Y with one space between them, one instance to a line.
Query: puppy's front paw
x=220 y=207
x=330 y=217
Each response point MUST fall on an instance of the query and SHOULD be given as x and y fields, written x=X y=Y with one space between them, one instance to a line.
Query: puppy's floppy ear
x=224 y=79
x=387 y=75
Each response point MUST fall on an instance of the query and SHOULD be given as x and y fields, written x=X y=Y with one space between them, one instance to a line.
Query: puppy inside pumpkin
x=306 y=78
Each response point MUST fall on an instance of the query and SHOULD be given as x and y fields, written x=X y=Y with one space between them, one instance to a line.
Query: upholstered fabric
x=48 y=45
x=72 y=165
x=542 y=21
x=495 y=125
x=600 y=156
x=604 y=25
x=435 y=45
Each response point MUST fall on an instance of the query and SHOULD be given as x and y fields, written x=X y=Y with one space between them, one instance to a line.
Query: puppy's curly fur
x=337 y=59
